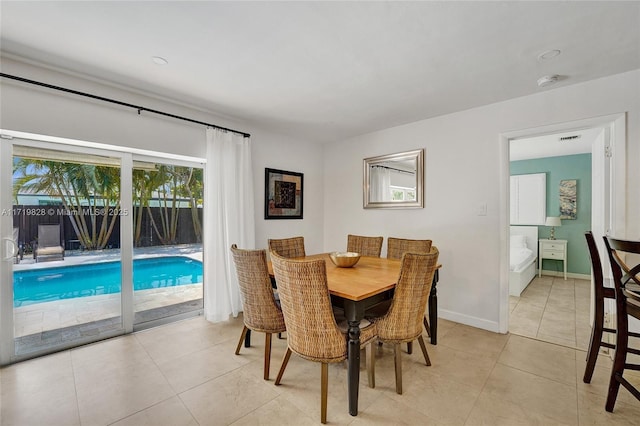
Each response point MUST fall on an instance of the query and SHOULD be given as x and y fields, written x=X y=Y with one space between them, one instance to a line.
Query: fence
x=27 y=218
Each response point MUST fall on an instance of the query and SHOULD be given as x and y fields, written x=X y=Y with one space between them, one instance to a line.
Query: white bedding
x=520 y=258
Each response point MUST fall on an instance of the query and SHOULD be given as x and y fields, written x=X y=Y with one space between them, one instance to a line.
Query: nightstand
x=553 y=249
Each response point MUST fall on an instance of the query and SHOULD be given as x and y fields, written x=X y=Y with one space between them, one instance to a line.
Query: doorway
x=555 y=306
x=608 y=187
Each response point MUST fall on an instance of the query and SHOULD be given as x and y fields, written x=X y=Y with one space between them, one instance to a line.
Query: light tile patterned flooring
x=185 y=373
x=553 y=310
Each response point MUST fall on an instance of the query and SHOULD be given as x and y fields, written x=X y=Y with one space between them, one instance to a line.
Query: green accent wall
x=576 y=167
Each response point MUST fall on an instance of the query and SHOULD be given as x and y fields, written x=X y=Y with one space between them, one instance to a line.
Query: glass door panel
x=167 y=238
x=66 y=215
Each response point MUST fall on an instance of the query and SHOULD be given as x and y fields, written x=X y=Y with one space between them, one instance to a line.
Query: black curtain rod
x=113 y=101
x=396 y=170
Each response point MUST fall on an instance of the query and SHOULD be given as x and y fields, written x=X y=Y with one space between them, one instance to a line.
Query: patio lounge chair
x=49 y=244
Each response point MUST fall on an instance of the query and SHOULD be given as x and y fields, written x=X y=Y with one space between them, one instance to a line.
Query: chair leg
x=285 y=361
x=324 y=387
x=594 y=348
x=618 y=364
x=426 y=325
x=267 y=354
x=242 y=336
x=409 y=348
x=398 y=364
x=424 y=350
x=371 y=364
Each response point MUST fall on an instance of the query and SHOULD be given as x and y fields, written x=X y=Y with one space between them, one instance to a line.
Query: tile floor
x=553 y=310
x=185 y=373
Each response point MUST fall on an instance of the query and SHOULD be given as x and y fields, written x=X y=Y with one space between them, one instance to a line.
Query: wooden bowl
x=344 y=259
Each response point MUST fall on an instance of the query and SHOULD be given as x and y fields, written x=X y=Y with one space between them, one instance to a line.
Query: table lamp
x=553 y=221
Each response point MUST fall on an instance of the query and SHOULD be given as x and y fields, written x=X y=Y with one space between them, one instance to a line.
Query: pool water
x=45 y=285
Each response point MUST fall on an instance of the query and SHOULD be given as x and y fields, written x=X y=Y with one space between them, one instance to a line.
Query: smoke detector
x=548 y=80
x=549 y=54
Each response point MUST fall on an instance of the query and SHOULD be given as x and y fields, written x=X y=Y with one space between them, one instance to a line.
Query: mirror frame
x=417 y=155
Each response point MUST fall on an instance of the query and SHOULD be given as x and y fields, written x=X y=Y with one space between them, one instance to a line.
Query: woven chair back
x=366 y=246
x=288 y=247
x=403 y=321
x=312 y=332
x=260 y=310
x=396 y=247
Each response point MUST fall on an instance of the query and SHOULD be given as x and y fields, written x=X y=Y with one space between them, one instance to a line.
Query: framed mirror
x=394 y=181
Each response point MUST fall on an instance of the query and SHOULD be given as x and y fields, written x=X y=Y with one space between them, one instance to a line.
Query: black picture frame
x=283 y=194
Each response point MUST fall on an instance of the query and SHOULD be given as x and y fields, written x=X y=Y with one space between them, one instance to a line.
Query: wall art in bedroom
x=568 y=199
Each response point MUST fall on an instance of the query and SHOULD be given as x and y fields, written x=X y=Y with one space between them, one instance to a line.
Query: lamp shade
x=553 y=221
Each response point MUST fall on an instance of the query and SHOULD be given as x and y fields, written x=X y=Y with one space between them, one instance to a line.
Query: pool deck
x=42 y=317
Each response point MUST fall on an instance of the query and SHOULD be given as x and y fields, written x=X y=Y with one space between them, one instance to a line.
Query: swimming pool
x=66 y=282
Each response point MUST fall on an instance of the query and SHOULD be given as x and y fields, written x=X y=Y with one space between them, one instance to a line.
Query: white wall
x=31 y=109
x=462 y=171
x=283 y=153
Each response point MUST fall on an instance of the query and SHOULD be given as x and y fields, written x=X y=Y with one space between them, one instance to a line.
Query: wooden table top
x=370 y=276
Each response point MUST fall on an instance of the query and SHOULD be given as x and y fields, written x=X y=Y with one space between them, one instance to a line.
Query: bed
x=523 y=254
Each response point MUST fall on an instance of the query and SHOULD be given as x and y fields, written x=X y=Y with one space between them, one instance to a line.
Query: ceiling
x=327 y=71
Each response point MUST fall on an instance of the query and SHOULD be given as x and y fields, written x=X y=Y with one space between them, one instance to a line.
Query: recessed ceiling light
x=158 y=60
x=548 y=54
x=548 y=80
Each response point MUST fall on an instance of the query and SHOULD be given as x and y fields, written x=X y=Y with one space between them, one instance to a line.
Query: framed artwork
x=568 y=199
x=283 y=194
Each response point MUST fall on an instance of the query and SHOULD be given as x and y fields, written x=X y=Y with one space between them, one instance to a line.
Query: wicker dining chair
x=312 y=332
x=288 y=247
x=626 y=279
x=396 y=247
x=366 y=246
x=402 y=323
x=260 y=309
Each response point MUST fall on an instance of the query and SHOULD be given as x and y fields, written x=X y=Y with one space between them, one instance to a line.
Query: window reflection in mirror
x=394 y=180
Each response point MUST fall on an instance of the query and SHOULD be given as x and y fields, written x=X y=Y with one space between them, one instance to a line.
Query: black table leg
x=354 y=312
x=247 y=339
x=433 y=310
x=353 y=354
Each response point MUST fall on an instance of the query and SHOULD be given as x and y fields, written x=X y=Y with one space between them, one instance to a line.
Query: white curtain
x=380 y=184
x=229 y=219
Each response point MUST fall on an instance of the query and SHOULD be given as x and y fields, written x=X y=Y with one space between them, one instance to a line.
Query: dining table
x=356 y=289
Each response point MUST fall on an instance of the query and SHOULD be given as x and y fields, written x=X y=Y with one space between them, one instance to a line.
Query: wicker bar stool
x=366 y=246
x=260 y=309
x=627 y=284
x=312 y=332
x=288 y=247
x=402 y=323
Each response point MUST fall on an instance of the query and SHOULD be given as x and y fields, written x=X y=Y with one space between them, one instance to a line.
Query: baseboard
x=569 y=274
x=469 y=320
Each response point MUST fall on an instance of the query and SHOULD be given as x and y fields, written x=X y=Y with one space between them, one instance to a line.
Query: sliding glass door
x=167 y=238
x=94 y=243
x=65 y=260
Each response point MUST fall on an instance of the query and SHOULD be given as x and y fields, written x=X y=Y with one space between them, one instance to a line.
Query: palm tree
x=167 y=184
x=192 y=188
x=86 y=192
